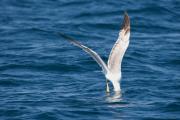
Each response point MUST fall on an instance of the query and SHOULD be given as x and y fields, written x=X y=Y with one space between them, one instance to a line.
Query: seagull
x=111 y=70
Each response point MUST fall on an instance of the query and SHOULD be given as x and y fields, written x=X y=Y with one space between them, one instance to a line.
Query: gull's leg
x=107 y=86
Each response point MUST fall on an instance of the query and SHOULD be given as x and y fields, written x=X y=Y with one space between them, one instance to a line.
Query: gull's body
x=112 y=70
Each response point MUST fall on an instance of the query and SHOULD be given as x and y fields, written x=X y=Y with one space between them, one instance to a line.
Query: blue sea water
x=43 y=77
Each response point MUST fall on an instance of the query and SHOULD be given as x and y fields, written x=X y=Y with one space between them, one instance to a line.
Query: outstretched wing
x=119 y=48
x=92 y=53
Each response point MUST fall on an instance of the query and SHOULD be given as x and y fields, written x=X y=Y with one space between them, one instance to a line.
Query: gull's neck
x=116 y=85
x=115 y=79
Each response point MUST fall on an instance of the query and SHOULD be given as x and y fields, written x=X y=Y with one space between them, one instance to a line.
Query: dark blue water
x=43 y=77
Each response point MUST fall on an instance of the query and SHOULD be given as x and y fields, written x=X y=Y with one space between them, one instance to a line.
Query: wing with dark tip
x=119 y=48
x=92 y=53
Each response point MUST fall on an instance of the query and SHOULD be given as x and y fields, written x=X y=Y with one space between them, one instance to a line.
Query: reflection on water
x=116 y=97
x=115 y=100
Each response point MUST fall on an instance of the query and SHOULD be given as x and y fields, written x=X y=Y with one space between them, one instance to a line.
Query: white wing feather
x=92 y=53
x=119 y=48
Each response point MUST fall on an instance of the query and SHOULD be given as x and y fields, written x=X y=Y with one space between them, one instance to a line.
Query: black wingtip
x=64 y=36
x=70 y=39
x=126 y=22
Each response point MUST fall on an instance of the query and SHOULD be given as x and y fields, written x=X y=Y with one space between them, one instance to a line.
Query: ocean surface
x=43 y=77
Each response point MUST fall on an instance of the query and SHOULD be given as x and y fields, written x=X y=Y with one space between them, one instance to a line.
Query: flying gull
x=111 y=70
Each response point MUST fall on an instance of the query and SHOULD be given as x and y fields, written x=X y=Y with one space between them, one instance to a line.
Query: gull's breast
x=113 y=76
